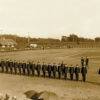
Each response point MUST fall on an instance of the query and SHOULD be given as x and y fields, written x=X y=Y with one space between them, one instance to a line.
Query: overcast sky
x=50 y=18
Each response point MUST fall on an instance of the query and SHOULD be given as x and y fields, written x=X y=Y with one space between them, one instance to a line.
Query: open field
x=66 y=90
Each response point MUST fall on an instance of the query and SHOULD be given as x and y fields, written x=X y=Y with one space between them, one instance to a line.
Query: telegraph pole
x=28 y=37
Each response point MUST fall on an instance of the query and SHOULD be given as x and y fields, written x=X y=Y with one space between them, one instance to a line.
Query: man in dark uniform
x=54 y=70
x=15 y=66
x=77 y=71
x=49 y=70
x=28 y=67
x=19 y=67
x=32 y=68
x=24 y=68
x=86 y=61
x=71 y=71
x=7 y=65
x=62 y=68
x=2 y=65
x=84 y=72
x=38 y=68
x=99 y=71
x=82 y=61
x=44 y=69
x=59 y=71
x=11 y=66
x=65 y=71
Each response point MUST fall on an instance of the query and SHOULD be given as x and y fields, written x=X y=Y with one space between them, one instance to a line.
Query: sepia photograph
x=49 y=49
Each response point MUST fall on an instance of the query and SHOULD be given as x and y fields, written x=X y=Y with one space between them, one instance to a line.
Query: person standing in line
x=28 y=65
x=82 y=61
x=7 y=65
x=11 y=66
x=32 y=67
x=38 y=67
x=2 y=65
x=65 y=71
x=77 y=71
x=62 y=68
x=20 y=67
x=99 y=71
x=71 y=71
x=54 y=70
x=84 y=72
x=59 y=71
x=49 y=70
x=44 y=69
x=24 y=67
x=15 y=67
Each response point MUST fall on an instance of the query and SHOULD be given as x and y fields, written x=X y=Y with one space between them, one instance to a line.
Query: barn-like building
x=7 y=43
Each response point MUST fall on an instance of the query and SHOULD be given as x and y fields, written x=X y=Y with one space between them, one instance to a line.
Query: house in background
x=33 y=45
x=7 y=43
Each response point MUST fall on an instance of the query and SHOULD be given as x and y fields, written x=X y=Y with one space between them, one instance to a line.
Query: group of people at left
x=7 y=97
x=29 y=68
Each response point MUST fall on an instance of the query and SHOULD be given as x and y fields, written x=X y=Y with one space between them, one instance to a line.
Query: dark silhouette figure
x=38 y=68
x=84 y=72
x=49 y=70
x=24 y=68
x=59 y=71
x=44 y=69
x=54 y=70
x=82 y=61
x=11 y=67
x=32 y=67
x=28 y=68
x=2 y=65
x=87 y=61
x=65 y=71
x=71 y=71
x=15 y=67
x=77 y=71
x=7 y=66
x=20 y=67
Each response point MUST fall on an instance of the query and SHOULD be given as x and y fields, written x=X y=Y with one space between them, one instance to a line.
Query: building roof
x=4 y=41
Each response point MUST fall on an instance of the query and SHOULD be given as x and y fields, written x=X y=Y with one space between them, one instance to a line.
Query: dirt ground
x=16 y=85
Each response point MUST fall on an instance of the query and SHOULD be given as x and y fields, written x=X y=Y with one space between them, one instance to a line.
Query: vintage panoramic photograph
x=49 y=49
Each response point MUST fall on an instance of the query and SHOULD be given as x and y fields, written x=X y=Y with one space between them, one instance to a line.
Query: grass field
x=66 y=90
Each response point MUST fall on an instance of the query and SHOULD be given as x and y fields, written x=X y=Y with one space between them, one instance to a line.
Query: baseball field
x=16 y=85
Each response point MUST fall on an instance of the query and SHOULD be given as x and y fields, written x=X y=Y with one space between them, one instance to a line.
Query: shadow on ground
x=44 y=95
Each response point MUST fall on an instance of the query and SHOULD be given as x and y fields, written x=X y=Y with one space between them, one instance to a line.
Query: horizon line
x=26 y=36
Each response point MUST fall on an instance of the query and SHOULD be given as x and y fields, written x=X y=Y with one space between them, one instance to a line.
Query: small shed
x=33 y=45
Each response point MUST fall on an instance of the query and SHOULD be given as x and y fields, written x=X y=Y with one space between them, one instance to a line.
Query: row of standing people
x=84 y=61
x=30 y=68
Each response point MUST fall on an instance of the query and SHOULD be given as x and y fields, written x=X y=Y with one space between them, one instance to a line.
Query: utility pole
x=28 y=37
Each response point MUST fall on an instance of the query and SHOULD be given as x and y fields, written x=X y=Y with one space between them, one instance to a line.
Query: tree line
x=65 y=40
x=75 y=38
